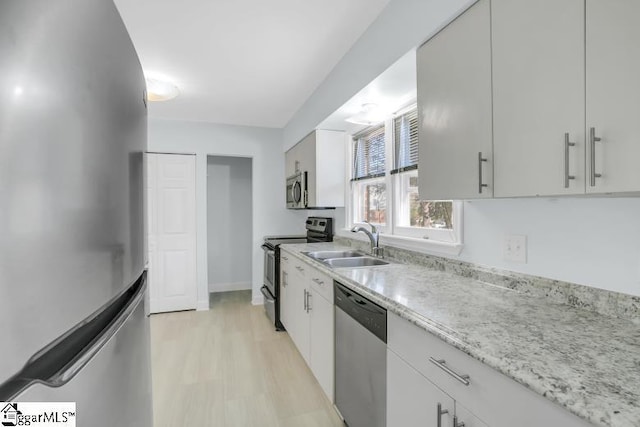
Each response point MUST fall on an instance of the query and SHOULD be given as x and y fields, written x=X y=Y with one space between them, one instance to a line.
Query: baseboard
x=257 y=300
x=202 y=305
x=226 y=287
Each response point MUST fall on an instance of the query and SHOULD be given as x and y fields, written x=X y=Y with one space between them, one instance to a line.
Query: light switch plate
x=514 y=248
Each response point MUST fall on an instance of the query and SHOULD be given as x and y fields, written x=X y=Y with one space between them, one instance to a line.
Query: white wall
x=229 y=216
x=589 y=241
x=264 y=147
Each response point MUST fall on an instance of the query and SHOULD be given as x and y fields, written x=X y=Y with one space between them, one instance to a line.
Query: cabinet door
x=322 y=342
x=307 y=153
x=464 y=416
x=285 y=294
x=613 y=94
x=454 y=109
x=538 y=96
x=290 y=162
x=412 y=400
x=298 y=321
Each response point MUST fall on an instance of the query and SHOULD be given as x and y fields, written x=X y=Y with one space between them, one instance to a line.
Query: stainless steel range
x=319 y=229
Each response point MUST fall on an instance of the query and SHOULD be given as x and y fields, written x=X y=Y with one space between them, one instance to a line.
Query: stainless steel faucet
x=374 y=237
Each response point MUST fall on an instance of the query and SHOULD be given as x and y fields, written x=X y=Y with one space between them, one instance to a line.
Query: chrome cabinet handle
x=567 y=144
x=305 y=300
x=480 y=184
x=592 y=146
x=318 y=281
x=308 y=304
x=442 y=364
x=456 y=423
x=440 y=413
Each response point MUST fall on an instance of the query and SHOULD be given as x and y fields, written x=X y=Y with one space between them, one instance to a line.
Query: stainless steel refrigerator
x=73 y=129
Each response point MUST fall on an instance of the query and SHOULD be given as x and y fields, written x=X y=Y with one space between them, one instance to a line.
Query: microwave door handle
x=297 y=199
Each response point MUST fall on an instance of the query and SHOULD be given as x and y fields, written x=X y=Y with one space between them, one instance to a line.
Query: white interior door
x=171 y=232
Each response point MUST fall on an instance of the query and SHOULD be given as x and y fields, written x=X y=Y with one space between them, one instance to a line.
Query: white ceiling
x=391 y=91
x=244 y=62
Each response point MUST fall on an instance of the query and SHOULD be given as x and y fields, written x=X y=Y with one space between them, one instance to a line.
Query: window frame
x=428 y=240
x=356 y=197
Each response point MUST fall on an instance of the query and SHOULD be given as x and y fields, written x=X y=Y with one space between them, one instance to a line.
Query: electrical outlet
x=514 y=248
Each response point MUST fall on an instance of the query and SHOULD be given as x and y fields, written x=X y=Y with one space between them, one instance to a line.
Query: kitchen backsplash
x=585 y=297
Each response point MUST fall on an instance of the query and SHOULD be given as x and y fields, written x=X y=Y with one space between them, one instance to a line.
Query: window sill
x=417 y=245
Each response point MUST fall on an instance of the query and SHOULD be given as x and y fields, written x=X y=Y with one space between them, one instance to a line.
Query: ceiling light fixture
x=160 y=89
x=370 y=114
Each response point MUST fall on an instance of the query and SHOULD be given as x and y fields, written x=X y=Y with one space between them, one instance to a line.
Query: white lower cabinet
x=306 y=311
x=321 y=350
x=489 y=396
x=298 y=322
x=412 y=400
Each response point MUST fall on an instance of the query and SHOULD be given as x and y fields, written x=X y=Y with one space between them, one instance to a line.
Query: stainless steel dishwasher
x=361 y=359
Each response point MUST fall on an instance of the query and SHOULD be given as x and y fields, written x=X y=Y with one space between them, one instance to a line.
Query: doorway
x=229 y=223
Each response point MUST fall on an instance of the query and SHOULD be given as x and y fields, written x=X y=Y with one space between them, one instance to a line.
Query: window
x=387 y=195
x=368 y=183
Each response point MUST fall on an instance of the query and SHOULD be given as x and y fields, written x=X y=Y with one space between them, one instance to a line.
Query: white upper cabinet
x=454 y=109
x=321 y=154
x=613 y=95
x=538 y=96
x=548 y=92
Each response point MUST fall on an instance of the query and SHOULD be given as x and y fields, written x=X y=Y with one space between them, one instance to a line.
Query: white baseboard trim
x=202 y=305
x=226 y=287
x=257 y=300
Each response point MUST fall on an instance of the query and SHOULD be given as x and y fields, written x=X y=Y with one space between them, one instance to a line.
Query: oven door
x=269 y=269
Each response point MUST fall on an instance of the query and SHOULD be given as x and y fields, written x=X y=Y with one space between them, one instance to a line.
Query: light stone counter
x=587 y=362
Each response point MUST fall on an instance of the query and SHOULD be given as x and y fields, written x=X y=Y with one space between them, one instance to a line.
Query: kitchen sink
x=323 y=255
x=361 y=261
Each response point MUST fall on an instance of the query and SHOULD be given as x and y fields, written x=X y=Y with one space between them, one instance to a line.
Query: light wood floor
x=227 y=367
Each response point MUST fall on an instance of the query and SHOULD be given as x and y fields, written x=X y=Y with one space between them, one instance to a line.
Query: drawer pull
x=318 y=281
x=456 y=423
x=440 y=413
x=464 y=379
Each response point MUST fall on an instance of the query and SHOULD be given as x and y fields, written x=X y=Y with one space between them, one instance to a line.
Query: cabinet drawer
x=490 y=395
x=321 y=283
x=299 y=267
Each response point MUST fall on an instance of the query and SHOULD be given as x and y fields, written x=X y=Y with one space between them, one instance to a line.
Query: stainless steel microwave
x=297 y=191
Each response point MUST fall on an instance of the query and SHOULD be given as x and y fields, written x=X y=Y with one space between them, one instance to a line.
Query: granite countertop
x=586 y=362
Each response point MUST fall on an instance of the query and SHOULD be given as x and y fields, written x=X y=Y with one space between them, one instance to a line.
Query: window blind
x=369 y=154
x=405 y=138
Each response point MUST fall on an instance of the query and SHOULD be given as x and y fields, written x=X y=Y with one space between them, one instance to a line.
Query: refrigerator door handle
x=57 y=363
